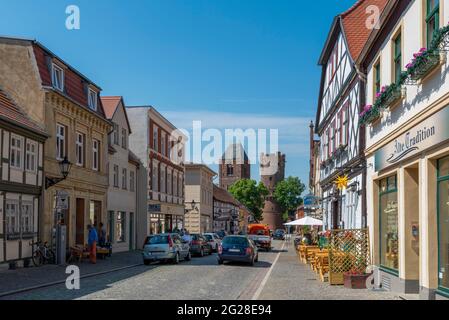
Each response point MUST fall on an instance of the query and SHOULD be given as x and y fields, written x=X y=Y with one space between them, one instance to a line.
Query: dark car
x=279 y=234
x=199 y=245
x=238 y=249
x=261 y=241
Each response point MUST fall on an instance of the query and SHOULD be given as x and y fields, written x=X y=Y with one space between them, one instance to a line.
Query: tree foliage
x=250 y=194
x=288 y=194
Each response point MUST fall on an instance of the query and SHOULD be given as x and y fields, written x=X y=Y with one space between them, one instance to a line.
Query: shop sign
x=154 y=208
x=311 y=202
x=427 y=134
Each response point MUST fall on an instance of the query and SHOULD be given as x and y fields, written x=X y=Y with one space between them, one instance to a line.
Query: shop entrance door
x=131 y=231
x=80 y=221
x=411 y=229
x=335 y=215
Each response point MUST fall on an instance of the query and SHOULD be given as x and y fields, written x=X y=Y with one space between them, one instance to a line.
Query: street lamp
x=64 y=167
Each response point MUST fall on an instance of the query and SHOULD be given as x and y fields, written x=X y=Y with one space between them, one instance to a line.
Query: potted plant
x=355 y=279
x=422 y=63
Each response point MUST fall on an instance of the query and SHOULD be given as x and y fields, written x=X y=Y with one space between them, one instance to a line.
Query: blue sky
x=229 y=63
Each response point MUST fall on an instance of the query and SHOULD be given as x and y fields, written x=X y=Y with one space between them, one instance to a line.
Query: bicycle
x=42 y=254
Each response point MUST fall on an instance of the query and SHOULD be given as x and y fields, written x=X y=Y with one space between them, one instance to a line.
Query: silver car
x=213 y=239
x=165 y=247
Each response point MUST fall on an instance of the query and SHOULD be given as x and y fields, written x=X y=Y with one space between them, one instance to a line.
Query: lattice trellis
x=348 y=252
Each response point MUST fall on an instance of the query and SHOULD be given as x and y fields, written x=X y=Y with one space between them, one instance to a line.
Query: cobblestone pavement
x=290 y=278
x=12 y=280
x=204 y=279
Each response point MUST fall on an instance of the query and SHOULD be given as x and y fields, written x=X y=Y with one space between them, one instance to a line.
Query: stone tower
x=234 y=166
x=272 y=171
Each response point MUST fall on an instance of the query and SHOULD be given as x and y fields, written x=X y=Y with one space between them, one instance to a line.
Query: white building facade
x=199 y=195
x=407 y=148
x=122 y=168
x=341 y=139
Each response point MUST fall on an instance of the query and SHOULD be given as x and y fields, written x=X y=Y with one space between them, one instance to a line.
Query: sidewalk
x=28 y=278
x=292 y=279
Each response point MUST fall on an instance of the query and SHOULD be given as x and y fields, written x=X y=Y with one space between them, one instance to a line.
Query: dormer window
x=92 y=101
x=57 y=77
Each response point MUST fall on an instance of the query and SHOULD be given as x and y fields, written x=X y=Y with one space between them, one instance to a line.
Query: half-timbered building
x=21 y=179
x=340 y=99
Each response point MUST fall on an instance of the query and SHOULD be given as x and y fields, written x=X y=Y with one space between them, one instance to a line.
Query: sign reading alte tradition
x=427 y=134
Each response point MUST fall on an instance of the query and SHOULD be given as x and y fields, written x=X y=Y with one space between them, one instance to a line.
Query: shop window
x=388 y=216
x=443 y=223
x=120 y=227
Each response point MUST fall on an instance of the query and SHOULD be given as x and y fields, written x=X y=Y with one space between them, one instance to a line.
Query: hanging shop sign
x=311 y=201
x=154 y=208
x=427 y=134
x=342 y=182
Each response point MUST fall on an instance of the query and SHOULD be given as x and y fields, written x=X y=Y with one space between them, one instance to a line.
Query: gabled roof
x=110 y=105
x=11 y=112
x=355 y=24
x=222 y=195
x=352 y=23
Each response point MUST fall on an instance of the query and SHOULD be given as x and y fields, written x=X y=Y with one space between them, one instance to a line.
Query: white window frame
x=12 y=217
x=124 y=179
x=163 y=144
x=31 y=152
x=124 y=138
x=155 y=178
x=132 y=181
x=57 y=82
x=345 y=125
x=116 y=133
x=27 y=214
x=92 y=99
x=80 y=149
x=115 y=176
x=155 y=138
x=95 y=155
x=163 y=186
x=16 y=152
x=61 y=141
x=169 y=182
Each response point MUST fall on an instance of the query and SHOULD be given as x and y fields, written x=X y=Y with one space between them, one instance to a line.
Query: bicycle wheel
x=51 y=257
x=37 y=258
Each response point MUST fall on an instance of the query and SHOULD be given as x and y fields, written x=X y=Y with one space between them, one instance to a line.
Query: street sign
x=62 y=200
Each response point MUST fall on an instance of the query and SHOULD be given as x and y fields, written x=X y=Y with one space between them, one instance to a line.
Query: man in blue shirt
x=92 y=242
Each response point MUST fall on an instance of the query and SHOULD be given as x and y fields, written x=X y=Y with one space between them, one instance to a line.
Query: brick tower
x=234 y=166
x=272 y=171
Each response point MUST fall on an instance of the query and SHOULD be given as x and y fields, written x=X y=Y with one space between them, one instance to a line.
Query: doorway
x=80 y=206
x=95 y=213
x=131 y=231
x=335 y=214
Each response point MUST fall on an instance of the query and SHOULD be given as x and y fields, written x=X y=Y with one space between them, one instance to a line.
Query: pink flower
x=422 y=50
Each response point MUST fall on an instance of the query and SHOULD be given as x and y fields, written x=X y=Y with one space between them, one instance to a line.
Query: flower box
x=355 y=281
x=425 y=66
x=395 y=95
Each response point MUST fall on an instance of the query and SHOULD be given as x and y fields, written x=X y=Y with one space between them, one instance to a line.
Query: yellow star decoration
x=342 y=182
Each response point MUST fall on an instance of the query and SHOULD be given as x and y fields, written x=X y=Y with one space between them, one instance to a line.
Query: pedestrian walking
x=92 y=242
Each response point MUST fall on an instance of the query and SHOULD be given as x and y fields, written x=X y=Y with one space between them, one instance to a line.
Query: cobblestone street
x=277 y=275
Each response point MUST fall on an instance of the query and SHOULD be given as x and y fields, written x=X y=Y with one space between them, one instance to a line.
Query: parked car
x=261 y=241
x=165 y=247
x=214 y=240
x=222 y=234
x=279 y=234
x=239 y=249
x=199 y=245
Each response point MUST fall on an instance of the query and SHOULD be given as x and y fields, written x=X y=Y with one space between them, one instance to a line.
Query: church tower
x=234 y=166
